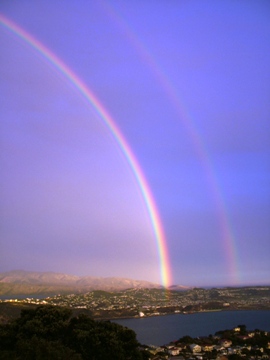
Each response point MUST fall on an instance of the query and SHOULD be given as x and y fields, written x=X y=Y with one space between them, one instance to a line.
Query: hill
x=49 y=332
x=21 y=283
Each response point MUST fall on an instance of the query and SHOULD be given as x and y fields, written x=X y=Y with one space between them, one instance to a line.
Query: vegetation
x=52 y=332
x=49 y=332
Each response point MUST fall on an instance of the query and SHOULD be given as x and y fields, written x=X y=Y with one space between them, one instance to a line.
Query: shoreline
x=178 y=313
x=168 y=329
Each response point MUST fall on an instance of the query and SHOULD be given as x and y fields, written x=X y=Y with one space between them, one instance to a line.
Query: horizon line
x=169 y=288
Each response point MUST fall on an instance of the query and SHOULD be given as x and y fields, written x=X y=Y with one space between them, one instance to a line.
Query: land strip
x=134 y=303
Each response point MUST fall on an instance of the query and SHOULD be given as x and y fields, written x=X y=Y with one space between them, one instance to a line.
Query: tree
x=243 y=329
x=50 y=332
x=186 y=340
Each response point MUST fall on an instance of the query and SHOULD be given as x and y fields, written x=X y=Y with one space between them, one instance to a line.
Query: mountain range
x=29 y=283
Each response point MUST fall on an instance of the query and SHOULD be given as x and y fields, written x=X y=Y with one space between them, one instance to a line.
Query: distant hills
x=27 y=283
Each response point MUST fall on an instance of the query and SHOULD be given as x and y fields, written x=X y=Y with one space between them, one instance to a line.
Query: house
x=181 y=346
x=219 y=347
x=155 y=349
x=243 y=337
x=231 y=351
x=257 y=348
x=207 y=347
x=226 y=343
x=195 y=348
x=237 y=349
x=174 y=351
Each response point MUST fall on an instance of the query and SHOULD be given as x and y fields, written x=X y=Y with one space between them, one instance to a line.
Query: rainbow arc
x=228 y=241
x=165 y=272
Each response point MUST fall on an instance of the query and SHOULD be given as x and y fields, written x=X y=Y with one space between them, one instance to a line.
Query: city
x=154 y=302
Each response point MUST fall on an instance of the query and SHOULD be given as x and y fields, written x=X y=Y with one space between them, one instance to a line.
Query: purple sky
x=188 y=84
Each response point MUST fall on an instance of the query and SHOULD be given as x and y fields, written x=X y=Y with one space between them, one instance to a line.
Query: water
x=160 y=330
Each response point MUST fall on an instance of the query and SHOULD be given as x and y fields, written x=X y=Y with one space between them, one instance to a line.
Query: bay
x=160 y=330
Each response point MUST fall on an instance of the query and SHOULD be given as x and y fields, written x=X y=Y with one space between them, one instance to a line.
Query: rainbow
x=165 y=271
x=228 y=242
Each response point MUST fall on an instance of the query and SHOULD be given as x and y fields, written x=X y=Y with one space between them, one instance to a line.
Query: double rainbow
x=228 y=241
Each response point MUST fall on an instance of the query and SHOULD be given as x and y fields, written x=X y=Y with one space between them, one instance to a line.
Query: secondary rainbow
x=228 y=242
x=165 y=272
x=148 y=59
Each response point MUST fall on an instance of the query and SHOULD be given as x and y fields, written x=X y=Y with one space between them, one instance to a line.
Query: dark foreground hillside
x=49 y=332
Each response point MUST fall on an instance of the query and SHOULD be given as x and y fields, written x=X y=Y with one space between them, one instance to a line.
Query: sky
x=187 y=86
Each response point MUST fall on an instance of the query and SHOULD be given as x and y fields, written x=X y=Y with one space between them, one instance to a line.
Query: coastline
x=178 y=313
x=160 y=330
